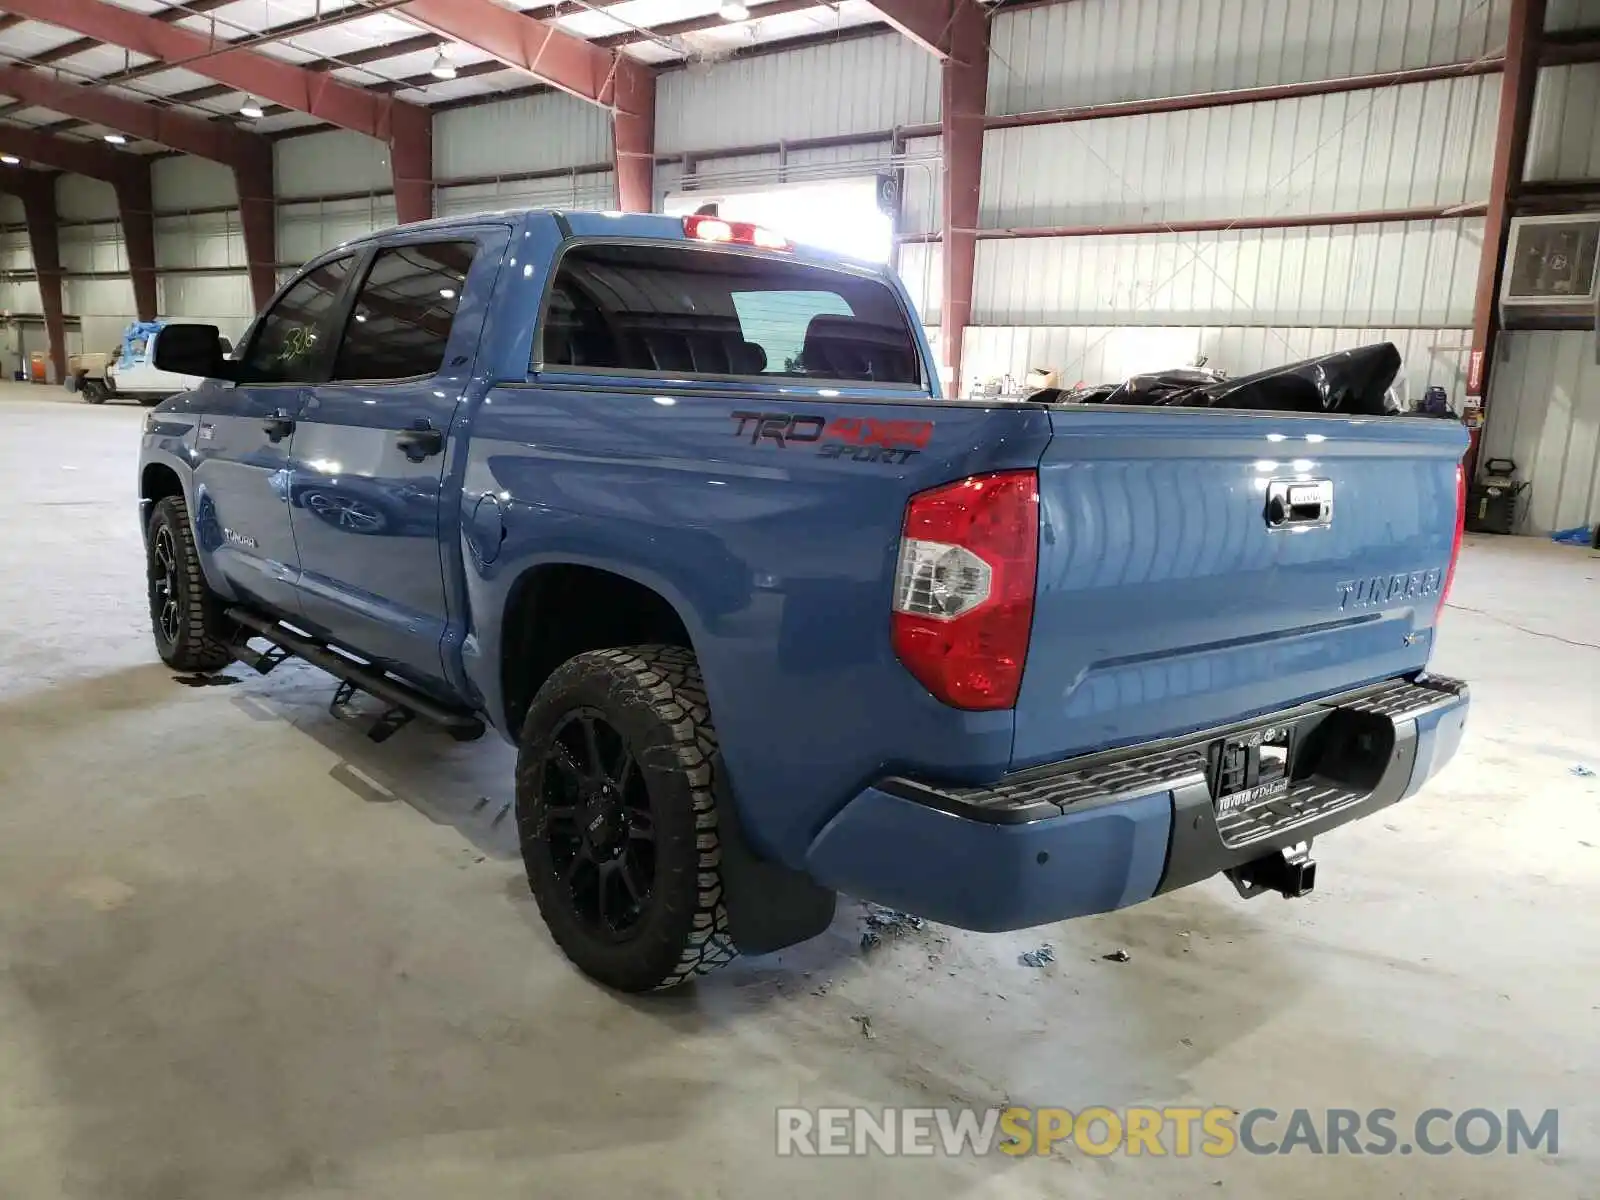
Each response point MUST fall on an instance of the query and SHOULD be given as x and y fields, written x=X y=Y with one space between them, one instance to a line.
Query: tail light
x=1455 y=546
x=963 y=590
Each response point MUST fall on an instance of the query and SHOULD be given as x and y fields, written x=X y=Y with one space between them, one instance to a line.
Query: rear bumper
x=1102 y=832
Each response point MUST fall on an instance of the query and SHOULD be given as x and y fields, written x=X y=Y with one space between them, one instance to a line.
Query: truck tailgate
x=1173 y=593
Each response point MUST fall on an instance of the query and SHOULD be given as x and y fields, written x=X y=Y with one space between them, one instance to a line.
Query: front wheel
x=617 y=818
x=186 y=620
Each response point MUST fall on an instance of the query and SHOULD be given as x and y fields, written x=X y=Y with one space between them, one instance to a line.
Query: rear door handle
x=278 y=426
x=421 y=441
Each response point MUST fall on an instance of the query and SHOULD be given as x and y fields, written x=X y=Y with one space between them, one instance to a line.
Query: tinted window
x=666 y=310
x=293 y=340
x=403 y=312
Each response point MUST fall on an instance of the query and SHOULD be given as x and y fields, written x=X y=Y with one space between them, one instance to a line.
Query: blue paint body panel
x=1164 y=604
x=993 y=877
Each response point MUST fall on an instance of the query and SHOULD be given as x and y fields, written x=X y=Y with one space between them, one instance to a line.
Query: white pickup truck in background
x=130 y=372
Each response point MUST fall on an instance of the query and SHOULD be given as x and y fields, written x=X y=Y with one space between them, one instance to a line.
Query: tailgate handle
x=1299 y=503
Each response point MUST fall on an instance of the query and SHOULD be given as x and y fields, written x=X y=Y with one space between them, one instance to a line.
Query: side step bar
x=402 y=697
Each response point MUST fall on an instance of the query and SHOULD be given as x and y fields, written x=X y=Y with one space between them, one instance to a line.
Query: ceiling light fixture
x=251 y=108
x=10 y=160
x=117 y=139
x=442 y=67
x=733 y=10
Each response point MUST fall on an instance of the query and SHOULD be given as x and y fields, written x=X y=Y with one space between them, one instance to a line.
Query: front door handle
x=278 y=426
x=421 y=441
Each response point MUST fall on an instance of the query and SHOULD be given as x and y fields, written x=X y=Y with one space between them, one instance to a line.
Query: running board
x=404 y=700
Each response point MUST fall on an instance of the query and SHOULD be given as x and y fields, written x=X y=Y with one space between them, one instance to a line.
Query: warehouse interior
x=244 y=951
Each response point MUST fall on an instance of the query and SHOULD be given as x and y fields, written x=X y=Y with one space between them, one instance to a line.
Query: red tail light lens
x=1455 y=546
x=963 y=590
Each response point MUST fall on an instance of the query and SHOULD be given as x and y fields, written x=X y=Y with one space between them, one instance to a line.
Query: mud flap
x=770 y=906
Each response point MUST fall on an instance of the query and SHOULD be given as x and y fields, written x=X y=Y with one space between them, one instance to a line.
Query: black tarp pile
x=1353 y=382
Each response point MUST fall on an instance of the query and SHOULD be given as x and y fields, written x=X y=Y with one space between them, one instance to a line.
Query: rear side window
x=664 y=310
x=403 y=313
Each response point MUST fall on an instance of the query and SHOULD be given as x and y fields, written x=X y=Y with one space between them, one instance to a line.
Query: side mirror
x=192 y=350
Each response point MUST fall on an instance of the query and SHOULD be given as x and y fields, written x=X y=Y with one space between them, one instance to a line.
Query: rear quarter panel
x=779 y=559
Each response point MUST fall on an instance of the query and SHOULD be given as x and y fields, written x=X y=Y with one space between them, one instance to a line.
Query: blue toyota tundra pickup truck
x=679 y=510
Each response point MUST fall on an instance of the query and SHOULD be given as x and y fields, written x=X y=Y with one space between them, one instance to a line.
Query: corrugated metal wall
x=532 y=133
x=336 y=161
x=1099 y=51
x=82 y=199
x=184 y=182
x=1403 y=147
x=1570 y=14
x=1404 y=273
x=1564 y=139
x=91 y=241
x=1102 y=307
x=16 y=295
x=306 y=230
x=1110 y=352
x=592 y=189
x=1544 y=412
x=857 y=86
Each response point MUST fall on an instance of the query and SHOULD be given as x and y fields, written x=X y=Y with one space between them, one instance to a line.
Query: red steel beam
x=180 y=131
x=320 y=94
x=136 y=207
x=1525 y=24
x=929 y=23
x=267 y=36
x=602 y=76
x=93 y=159
x=258 y=219
x=1563 y=46
x=38 y=195
x=964 y=87
x=411 y=164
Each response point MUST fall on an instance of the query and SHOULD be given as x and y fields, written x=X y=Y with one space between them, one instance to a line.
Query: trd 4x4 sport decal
x=860 y=439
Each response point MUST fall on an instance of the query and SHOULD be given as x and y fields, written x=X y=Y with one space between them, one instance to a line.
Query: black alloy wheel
x=598 y=824
x=164 y=584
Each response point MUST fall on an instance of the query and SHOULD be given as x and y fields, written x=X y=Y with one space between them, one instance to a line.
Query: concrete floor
x=245 y=953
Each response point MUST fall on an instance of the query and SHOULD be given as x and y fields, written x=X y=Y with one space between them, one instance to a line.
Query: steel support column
x=964 y=86
x=136 y=208
x=38 y=196
x=1523 y=37
x=258 y=218
x=633 y=141
x=411 y=163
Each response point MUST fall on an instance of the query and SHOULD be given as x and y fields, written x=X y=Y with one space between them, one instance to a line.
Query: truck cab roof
x=596 y=223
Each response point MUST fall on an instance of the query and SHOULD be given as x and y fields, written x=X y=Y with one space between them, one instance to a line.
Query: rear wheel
x=617 y=819
x=93 y=391
x=186 y=619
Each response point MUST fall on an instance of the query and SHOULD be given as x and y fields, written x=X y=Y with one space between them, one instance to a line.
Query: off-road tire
x=93 y=391
x=200 y=634
x=654 y=698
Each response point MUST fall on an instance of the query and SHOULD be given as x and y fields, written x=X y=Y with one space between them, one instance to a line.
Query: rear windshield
x=663 y=310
